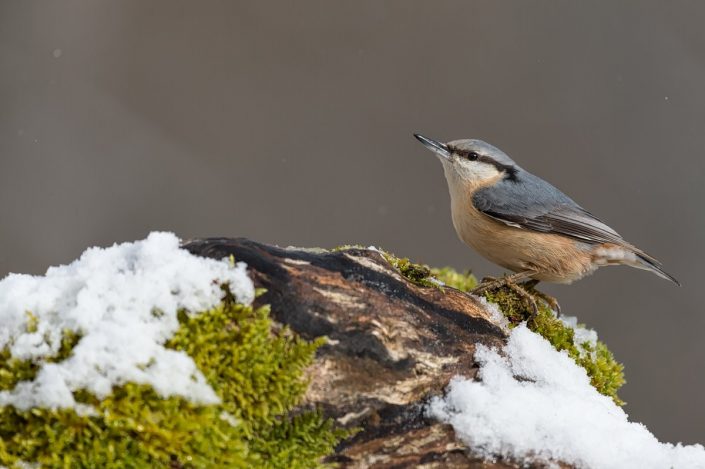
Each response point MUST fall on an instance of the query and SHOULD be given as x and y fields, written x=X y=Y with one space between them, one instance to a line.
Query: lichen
x=256 y=371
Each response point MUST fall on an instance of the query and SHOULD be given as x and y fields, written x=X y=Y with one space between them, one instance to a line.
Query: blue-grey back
x=525 y=194
x=527 y=201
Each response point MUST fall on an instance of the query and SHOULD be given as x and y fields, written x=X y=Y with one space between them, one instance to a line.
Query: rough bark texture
x=392 y=345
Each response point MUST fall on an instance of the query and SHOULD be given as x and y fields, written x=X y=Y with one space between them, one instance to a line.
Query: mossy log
x=392 y=344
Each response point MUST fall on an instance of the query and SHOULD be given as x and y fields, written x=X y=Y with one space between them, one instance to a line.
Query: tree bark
x=391 y=346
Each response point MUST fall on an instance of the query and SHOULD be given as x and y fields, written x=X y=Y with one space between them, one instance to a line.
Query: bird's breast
x=556 y=258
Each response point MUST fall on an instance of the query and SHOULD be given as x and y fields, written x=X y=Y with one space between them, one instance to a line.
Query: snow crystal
x=533 y=403
x=123 y=300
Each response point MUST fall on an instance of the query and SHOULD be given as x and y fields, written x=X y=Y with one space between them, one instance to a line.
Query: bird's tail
x=626 y=254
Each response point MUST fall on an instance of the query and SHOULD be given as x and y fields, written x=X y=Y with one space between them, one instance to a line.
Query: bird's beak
x=440 y=149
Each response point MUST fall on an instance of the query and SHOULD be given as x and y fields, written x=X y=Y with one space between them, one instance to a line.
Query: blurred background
x=291 y=123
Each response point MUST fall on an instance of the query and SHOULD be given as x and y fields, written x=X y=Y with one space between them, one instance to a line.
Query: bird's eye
x=472 y=156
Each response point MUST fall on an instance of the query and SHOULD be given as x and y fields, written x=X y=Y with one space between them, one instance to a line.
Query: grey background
x=291 y=122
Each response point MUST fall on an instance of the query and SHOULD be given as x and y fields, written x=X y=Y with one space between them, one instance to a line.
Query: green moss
x=606 y=374
x=258 y=374
x=417 y=274
x=13 y=370
x=425 y=276
x=450 y=277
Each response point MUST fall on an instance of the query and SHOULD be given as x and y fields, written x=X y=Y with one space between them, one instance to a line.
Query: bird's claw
x=526 y=291
x=551 y=301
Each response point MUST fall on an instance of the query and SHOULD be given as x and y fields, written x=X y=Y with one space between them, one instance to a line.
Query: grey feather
x=530 y=202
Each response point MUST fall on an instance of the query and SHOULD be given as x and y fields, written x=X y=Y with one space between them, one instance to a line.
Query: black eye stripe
x=470 y=155
x=509 y=170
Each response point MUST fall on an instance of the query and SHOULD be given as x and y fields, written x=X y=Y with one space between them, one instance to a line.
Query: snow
x=533 y=403
x=124 y=301
x=436 y=281
x=496 y=314
x=581 y=334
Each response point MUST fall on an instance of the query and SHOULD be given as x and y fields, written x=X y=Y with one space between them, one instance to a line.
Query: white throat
x=464 y=176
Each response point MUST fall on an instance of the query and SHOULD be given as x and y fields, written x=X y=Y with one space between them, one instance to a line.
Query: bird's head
x=471 y=161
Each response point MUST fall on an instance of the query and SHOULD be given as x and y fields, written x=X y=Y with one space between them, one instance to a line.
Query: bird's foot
x=552 y=302
x=509 y=281
x=487 y=284
x=521 y=292
x=492 y=283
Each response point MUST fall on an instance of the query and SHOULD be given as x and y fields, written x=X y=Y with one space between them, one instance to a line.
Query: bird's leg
x=487 y=283
x=510 y=281
x=525 y=295
x=491 y=283
x=530 y=285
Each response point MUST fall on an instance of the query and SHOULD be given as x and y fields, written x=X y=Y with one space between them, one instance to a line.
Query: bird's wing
x=531 y=203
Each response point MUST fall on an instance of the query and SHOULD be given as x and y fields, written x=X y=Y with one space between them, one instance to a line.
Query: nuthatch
x=523 y=223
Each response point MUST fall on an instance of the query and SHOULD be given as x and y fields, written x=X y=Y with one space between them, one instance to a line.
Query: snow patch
x=581 y=334
x=496 y=314
x=533 y=403
x=123 y=300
